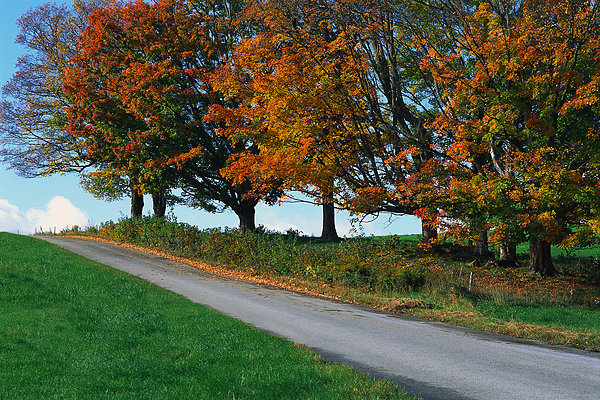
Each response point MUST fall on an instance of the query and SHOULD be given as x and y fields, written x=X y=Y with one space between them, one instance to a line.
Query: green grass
x=590 y=251
x=564 y=316
x=71 y=328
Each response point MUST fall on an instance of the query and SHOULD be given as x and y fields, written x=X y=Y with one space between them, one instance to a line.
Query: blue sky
x=59 y=201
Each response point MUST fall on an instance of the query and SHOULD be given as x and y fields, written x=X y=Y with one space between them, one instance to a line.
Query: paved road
x=432 y=360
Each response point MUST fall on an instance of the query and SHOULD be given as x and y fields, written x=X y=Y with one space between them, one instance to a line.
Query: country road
x=432 y=360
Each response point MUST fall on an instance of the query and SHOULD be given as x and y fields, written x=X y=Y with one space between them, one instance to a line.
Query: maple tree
x=140 y=90
x=33 y=111
x=331 y=93
x=519 y=82
x=281 y=103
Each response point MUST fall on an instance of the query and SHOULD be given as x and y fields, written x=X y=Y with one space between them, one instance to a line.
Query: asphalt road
x=432 y=360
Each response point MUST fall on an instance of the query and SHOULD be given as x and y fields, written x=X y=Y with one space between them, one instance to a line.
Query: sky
x=53 y=203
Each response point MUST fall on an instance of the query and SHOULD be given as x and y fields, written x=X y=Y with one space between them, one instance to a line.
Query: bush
x=354 y=262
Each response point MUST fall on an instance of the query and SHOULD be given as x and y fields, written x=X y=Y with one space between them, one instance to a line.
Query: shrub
x=355 y=262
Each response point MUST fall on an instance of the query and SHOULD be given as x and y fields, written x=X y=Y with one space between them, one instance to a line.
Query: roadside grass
x=71 y=328
x=392 y=273
x=568 y=317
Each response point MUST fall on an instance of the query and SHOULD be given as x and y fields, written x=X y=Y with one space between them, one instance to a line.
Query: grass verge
x=394 y=274
x=71 y=328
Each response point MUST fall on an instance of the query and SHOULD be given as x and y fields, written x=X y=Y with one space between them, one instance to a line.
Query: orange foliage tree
x=282 y=80
x=33 y=111
x=519 y=82
x=140 y=90
x=332 y=95
x=34 y=107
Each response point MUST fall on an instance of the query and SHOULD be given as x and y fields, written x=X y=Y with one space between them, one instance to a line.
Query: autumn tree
x=399 y=167
x=519 y=81
x=33 y=111
x=282 y=101
x=333 y=96
x=140 y=88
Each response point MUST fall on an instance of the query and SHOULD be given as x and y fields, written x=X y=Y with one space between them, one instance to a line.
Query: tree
x=140 y=88
x=33 y=111
x=519 y=83
x=332 y=95
x=278 y=91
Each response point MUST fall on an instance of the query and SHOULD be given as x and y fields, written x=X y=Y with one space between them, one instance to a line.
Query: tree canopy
x=521 y=120
x=330 y=92
x=140 y=90
x=476 y=116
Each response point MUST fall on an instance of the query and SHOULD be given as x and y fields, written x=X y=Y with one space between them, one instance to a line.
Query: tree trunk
x=159 y=204
x=137 y=203
x=481 y=247
x=428 y=230
x=540 y=257
x=246 y=215
x=329 y=232
x=508 y=254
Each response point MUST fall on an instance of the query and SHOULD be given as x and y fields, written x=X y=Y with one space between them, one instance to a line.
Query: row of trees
x=477 y=116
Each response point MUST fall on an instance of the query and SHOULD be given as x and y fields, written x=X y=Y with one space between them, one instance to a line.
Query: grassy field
x=73 y=329
x=394 y=274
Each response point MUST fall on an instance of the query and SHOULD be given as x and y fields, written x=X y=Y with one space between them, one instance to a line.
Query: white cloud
x=59 y=213
x=11 y=219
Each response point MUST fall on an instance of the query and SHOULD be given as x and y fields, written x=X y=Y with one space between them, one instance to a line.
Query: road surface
x=432 y=360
